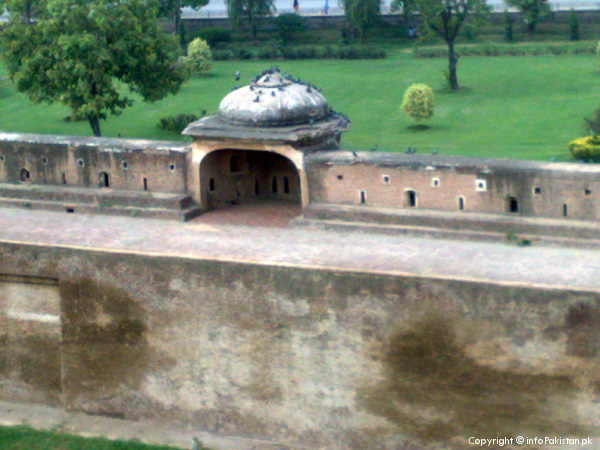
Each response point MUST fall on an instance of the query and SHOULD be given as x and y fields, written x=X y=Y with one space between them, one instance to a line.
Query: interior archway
x=235 y=177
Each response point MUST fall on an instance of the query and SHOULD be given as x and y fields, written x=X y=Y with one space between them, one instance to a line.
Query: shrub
x=418 y=102
x=508 y=27
x=199 y=56
x=288 y=25
x=586 y=149
x=176 y=124
x=242 y=53
x=592 y=124
x=214 y=35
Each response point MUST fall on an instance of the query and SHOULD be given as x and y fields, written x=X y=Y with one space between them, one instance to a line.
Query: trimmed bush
x=199 y=57
x=288 y=25
x=586 y=148
x=242 y=53
x=418 y=102
x=221 y=55
x=176 y=124
x=215 y=35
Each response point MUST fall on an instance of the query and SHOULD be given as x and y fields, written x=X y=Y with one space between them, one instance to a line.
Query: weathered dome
x=272 y=101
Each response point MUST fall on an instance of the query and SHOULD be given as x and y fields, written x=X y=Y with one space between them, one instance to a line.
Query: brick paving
x=221 y=235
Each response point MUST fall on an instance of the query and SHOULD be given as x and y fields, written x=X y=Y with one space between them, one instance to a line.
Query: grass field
x=25 y=438
x=510 y=107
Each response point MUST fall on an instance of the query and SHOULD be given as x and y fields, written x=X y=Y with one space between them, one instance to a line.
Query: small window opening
x=363 y=197
x=480 y=185
x=512 y=205
x=411 y=199
x=1 y=157
x=103 y=180
x=70 y=210
x=385 y=179
x=80 y=162
x=145 y=184
x=587 y=192
x=537 y=190
x=435 y=182
x=24 y=175
x=171 y=166
x=274 y=187
x=236 y=164
x=565 y=211
x=64 y=178
x=45 y=161
x=340 y=177
x=124 y=165
x=461 y=203
x=286 y=185
x=211 y=184
x=256 y=187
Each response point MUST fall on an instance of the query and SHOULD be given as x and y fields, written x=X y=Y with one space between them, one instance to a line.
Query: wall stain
x=432 y=390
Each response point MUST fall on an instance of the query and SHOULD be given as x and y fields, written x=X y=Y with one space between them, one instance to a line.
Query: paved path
x=504 y=263
x=57 y=419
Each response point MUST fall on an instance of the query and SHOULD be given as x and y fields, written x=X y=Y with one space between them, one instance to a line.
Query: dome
x=272 y=101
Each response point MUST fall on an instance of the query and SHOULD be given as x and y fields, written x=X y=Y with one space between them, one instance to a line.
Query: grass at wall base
x=527 y=107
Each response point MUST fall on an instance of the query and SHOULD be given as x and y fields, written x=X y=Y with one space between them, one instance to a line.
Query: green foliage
x=80 y=50
x=23 y=10
x=574 y=26
x=533 y=11
x=497 y=50
x=361 y=14
x=222 y=55
x=176 y=124
x=288 y=25
x=249 y=12
x=508 y=27
x=586 y=148
x=215 y=35
x=418 y=102
x=199 y=56
x=445 y=19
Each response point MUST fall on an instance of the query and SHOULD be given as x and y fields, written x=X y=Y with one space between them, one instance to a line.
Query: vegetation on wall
x=361 y=15
x=249 y=13
x=289 y=25
x=533 y=12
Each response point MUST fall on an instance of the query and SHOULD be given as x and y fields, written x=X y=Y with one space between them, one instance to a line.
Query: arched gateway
x=254 y=148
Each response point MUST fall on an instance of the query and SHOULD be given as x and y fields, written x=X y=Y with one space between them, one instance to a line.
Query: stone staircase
x=157 y=205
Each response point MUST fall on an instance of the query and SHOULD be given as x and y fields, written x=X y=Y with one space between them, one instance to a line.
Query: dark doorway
x=565 y=210
x=24 y=175
x=411 y=199
x=512 y=205
x=461 y=203
x=103 y=180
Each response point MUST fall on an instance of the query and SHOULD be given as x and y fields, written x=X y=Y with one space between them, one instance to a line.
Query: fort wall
x=309 y=357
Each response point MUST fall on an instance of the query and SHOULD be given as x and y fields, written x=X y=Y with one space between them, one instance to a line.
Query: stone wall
x=507 y=187
x=128 y=164
x=317 y=358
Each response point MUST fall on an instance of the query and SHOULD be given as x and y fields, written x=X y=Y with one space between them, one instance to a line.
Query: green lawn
x=25 y=438
x=511 y=107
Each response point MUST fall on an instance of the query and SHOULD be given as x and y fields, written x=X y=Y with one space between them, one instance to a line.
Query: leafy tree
x=24 y=9
x=81 y=52
x=173 y=8
x=444 y=18
x=288 y=25
x=533 y=11
x=418 y=102
x=361 y=14
x=249 y=12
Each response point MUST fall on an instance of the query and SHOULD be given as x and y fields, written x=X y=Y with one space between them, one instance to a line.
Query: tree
x=26 y=10
x=173 y=8
x=361 y=14
x=533 y=11
x=80 y=51
x=445 y=18
x=418 y=102
x=249 y=12
x=288 y=25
